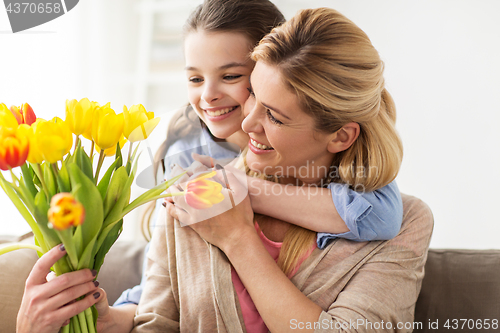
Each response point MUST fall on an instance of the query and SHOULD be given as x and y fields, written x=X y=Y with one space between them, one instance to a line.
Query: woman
x=318 y=103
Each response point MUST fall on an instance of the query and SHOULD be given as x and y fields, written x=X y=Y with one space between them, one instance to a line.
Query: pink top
x=251 y=317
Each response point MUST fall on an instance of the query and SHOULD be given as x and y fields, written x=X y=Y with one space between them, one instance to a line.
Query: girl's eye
x=195 y=80
x=251 y=91
x=232 y=77
x=273 y=120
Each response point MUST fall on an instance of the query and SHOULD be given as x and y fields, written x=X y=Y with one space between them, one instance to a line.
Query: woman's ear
x=344 y=138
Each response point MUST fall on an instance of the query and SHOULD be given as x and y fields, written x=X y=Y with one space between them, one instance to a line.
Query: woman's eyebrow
x=226 y=66
x=275 y=110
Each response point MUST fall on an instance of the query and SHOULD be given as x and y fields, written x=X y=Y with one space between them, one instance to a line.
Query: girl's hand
x=48 y=305
x=223 y=225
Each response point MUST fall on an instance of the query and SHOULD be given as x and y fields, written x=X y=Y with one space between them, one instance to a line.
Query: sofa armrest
x=459 y=284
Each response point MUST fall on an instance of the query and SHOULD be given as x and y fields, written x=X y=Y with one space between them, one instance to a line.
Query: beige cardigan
x=364 y=286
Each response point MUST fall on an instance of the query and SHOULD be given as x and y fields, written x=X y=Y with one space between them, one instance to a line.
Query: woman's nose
x=252 y=122
x=211 y=93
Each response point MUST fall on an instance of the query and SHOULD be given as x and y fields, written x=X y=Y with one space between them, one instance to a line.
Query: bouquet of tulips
x=60 y=193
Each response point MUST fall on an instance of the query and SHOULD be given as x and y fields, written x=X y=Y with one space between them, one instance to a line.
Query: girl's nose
x=211 y=93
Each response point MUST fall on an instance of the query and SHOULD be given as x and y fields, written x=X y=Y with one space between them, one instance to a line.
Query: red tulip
x=24 y=114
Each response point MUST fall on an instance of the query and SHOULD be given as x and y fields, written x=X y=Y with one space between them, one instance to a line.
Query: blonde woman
x=318 y=99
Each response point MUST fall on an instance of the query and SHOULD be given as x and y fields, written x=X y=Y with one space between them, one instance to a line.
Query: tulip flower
x=79 y=115
x=8 y=122
x=14 y=147
x=202 y=193
x=35 y=154
x=54 y=139
x=138 y=123
x=112 y=150
x=24 y=114
x=65 y=211
x=107 y=127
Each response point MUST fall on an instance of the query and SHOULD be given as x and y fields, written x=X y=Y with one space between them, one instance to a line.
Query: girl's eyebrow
x=226 y=66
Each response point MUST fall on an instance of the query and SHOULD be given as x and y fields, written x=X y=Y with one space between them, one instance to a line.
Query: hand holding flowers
x=61 y=194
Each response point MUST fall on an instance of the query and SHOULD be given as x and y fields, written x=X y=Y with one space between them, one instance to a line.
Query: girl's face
x=283 y=140
x=218 y=69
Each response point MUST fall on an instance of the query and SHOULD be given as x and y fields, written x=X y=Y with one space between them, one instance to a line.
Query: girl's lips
x=222 y=116
x=257 y=150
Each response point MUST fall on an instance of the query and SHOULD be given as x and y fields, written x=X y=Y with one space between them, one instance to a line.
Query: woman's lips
x=220 y=114
x=259 y=148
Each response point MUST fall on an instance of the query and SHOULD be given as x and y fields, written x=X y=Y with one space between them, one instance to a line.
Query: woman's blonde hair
x=337 y=74
x=333 y=68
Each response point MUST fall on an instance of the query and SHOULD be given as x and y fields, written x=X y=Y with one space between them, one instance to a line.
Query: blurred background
x=442 y=62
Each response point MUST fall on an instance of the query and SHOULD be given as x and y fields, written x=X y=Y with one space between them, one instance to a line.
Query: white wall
x=442 y=68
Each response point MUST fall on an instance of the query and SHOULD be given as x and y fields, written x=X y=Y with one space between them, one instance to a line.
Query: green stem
x=129 y=151
x=54 y=168
x=42 y=180
x=76 y=324
x=14 y=177
x=99 y=165
x=77 y=141
x=19 y=246
x=92 y=152
x=65 y=329
x=83 y=322
x=134 y=204
x=90 y=320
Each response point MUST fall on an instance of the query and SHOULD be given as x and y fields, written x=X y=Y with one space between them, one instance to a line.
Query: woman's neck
x=272 y=228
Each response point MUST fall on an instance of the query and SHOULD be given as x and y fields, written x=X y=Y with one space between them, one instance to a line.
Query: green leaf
x=104 y=183
x=27 y=178
x=49 y=179
x=83 y=162
x=88 y=195
x=115 y=189
x=108 y=242
x=63 y=179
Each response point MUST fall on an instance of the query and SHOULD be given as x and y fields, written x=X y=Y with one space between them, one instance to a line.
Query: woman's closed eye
x=272 y=119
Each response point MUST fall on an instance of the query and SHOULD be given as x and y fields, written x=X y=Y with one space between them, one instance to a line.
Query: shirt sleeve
x=369 y=216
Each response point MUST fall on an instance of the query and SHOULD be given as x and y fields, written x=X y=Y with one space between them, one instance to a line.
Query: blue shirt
x=369 y=216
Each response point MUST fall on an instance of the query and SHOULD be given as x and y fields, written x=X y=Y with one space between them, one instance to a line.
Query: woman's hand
x=48 y=305
x=222 y=225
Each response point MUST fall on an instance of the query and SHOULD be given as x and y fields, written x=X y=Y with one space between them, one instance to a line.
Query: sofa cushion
x=459 y=284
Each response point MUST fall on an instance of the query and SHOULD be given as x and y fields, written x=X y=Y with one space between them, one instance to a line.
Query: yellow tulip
x=8 y=123
x=107 y=127
x=202 y=193
x=138 y=123
x=112 y=150
x=65 y=211
x=79 y=115
x=35 y=153
x=54 y=139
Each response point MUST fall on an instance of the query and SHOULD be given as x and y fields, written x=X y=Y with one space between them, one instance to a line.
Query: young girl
x=219 y=36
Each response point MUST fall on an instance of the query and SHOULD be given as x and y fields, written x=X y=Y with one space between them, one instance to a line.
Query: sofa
x=460 y=291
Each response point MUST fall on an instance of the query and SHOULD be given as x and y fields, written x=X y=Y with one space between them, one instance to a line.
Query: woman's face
x=218 y=69
x=283 y=139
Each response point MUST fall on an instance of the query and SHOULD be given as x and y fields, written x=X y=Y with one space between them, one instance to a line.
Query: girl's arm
x=336 y=211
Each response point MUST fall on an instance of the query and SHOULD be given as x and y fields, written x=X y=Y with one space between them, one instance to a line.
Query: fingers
x=69 y=280
x=70 y=294
x=42 y=267
x=77 y=307
x=207 y=161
